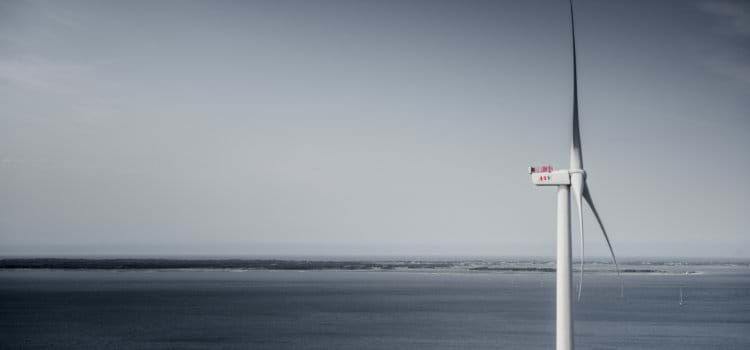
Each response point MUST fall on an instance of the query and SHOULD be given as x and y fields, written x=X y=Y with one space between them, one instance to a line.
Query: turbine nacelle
x=553 y=177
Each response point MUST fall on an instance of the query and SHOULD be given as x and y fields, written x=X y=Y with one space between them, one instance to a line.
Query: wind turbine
x=565 y=180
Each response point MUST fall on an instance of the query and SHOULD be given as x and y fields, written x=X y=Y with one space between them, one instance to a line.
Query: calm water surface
x=364 y=310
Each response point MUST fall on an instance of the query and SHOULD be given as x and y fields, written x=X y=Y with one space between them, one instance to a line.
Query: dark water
x=57 y=309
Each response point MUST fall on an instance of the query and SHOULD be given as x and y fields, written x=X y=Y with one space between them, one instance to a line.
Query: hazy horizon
x=306 y=251
x=369 y=127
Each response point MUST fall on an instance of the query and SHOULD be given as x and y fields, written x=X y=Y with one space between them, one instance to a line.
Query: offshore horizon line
x=342 y=250
x=476 y=265
x=34 y=259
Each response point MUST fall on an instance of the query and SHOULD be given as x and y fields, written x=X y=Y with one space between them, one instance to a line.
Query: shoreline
x=460 y=266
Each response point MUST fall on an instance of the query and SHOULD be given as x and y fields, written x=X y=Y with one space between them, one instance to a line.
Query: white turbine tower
x=565 y=180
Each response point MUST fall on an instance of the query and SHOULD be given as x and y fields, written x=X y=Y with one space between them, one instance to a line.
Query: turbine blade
x=576 y=182
x=590 y=202
x=576 y=158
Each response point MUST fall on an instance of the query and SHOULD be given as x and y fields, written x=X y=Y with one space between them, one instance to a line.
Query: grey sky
x=369 y=127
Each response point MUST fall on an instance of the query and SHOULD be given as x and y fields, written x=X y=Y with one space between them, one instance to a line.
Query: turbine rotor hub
x=578 y=171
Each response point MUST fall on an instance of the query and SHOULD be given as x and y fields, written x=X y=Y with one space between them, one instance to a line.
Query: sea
x=374 y=308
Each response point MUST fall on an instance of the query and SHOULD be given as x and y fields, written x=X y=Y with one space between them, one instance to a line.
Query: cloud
x=729 y=53
x=729 y=66
x=736 y=14
x=54 y=12
x=29 y=28
x=74 y=87
x=41 y=75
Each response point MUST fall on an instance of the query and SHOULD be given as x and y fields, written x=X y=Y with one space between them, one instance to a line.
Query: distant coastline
x=307 y=265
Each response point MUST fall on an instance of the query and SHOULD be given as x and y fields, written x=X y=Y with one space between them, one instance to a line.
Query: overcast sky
x=369 y=127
